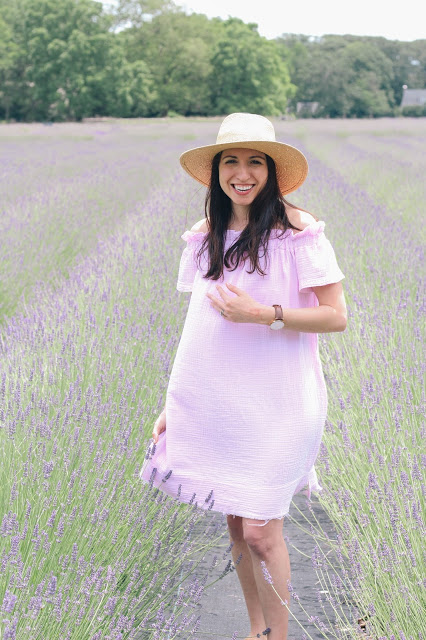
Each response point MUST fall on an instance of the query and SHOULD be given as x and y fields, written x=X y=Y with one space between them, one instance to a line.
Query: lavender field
x=90 y=229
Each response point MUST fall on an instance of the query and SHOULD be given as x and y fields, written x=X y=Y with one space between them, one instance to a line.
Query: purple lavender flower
x=51 y=588
x=167 y=476
x=152 y=476
x=266 y=573
x=10 y=630
x=9 y=602
x=111 y=605
x=51 y=520
x=316 y=558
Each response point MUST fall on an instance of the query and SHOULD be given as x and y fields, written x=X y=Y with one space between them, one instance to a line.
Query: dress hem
x=311 y=485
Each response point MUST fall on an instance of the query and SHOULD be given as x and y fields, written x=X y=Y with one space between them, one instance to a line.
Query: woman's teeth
x=243 y=188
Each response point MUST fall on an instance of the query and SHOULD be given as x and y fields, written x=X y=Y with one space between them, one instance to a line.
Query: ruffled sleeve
x=188 y=266
x=316 y=262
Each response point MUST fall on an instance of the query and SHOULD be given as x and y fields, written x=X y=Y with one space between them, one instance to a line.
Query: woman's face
x=242 y=174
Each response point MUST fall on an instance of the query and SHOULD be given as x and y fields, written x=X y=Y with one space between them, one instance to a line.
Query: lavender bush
x=91 y=320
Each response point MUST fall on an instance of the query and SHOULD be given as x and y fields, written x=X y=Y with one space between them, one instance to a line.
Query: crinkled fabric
x=246 y=406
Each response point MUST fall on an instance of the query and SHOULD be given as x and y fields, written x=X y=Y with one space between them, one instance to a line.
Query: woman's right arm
x=160 y=423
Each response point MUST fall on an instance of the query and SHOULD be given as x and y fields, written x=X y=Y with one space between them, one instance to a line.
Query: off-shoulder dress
x=245 y=405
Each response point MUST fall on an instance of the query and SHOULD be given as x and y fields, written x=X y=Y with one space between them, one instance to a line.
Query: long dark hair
x=267 y=211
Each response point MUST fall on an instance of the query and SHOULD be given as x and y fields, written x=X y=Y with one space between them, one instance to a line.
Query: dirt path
x=222 y=607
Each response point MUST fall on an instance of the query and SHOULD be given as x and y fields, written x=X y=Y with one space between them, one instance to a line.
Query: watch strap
x=278 y=312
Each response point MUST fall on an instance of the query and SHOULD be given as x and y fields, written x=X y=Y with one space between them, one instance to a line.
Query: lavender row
x=372 y=458
x=66 y=186
x=86 y=550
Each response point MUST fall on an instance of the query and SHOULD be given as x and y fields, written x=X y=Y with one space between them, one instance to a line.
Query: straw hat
x=250 y=131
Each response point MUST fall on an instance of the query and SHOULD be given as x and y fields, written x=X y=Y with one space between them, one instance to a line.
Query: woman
x=246 y=405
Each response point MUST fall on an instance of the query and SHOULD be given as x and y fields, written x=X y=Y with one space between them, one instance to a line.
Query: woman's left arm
x=329 y=316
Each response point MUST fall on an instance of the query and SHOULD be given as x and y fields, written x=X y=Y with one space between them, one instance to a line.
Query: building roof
x=312 y=107
x=412 y=97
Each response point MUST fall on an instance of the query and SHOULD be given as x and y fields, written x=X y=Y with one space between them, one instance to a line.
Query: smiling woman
x=245 y=406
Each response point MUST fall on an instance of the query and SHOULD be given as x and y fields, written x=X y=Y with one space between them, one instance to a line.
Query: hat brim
x=291 y=164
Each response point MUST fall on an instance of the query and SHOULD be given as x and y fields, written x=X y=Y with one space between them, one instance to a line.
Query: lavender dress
x=246 y=406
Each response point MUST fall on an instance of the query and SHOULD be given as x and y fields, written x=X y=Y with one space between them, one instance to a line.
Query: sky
x=392 y=19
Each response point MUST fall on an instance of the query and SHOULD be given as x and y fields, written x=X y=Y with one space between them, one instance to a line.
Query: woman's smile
x=242 y=188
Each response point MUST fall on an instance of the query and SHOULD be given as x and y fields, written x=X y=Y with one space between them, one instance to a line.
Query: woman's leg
x=246 y=576
x=267 y=543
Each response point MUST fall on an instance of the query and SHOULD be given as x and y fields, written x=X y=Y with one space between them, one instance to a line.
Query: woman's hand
x=238 y=308
x=159 y=426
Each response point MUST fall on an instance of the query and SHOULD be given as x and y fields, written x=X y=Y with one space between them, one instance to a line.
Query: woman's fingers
x=156 y=434
x=234 y=288
x=222 y=294
x=237 y=308
x=217 y=304
x=159 y=427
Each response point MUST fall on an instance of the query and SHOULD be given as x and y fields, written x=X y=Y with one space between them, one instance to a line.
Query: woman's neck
x=239 y=217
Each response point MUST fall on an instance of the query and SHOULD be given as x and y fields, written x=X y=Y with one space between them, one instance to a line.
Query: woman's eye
x=234 y=161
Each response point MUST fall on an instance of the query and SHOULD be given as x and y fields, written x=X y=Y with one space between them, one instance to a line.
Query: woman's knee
x=260 y=545
x=261 y=540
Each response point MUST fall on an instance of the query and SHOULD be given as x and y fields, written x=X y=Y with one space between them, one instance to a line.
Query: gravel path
x=222 y=607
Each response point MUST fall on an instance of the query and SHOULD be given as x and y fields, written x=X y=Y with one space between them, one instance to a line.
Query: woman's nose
x=243 y=172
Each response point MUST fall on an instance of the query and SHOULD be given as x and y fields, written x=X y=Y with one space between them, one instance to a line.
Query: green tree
x=74 y=65
x=67 y=59
x=248 y=73
x=317 y=72
x=142 y=90
x=409 y=65
x=9 y=53
x=347 y=75
x=14 y=88
x=68 y=63
x=177 y=50
x=134 y=13
x=369 y=82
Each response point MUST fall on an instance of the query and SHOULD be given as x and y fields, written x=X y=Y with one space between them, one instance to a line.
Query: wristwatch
x=278 y=323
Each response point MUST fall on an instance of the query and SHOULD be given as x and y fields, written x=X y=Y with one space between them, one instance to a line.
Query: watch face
x=277 y=324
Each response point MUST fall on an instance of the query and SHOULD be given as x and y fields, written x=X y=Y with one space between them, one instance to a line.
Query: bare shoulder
x=299 y=219
x=201 y=225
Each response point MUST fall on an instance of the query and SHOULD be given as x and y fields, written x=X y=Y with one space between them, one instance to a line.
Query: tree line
x=73 y=59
